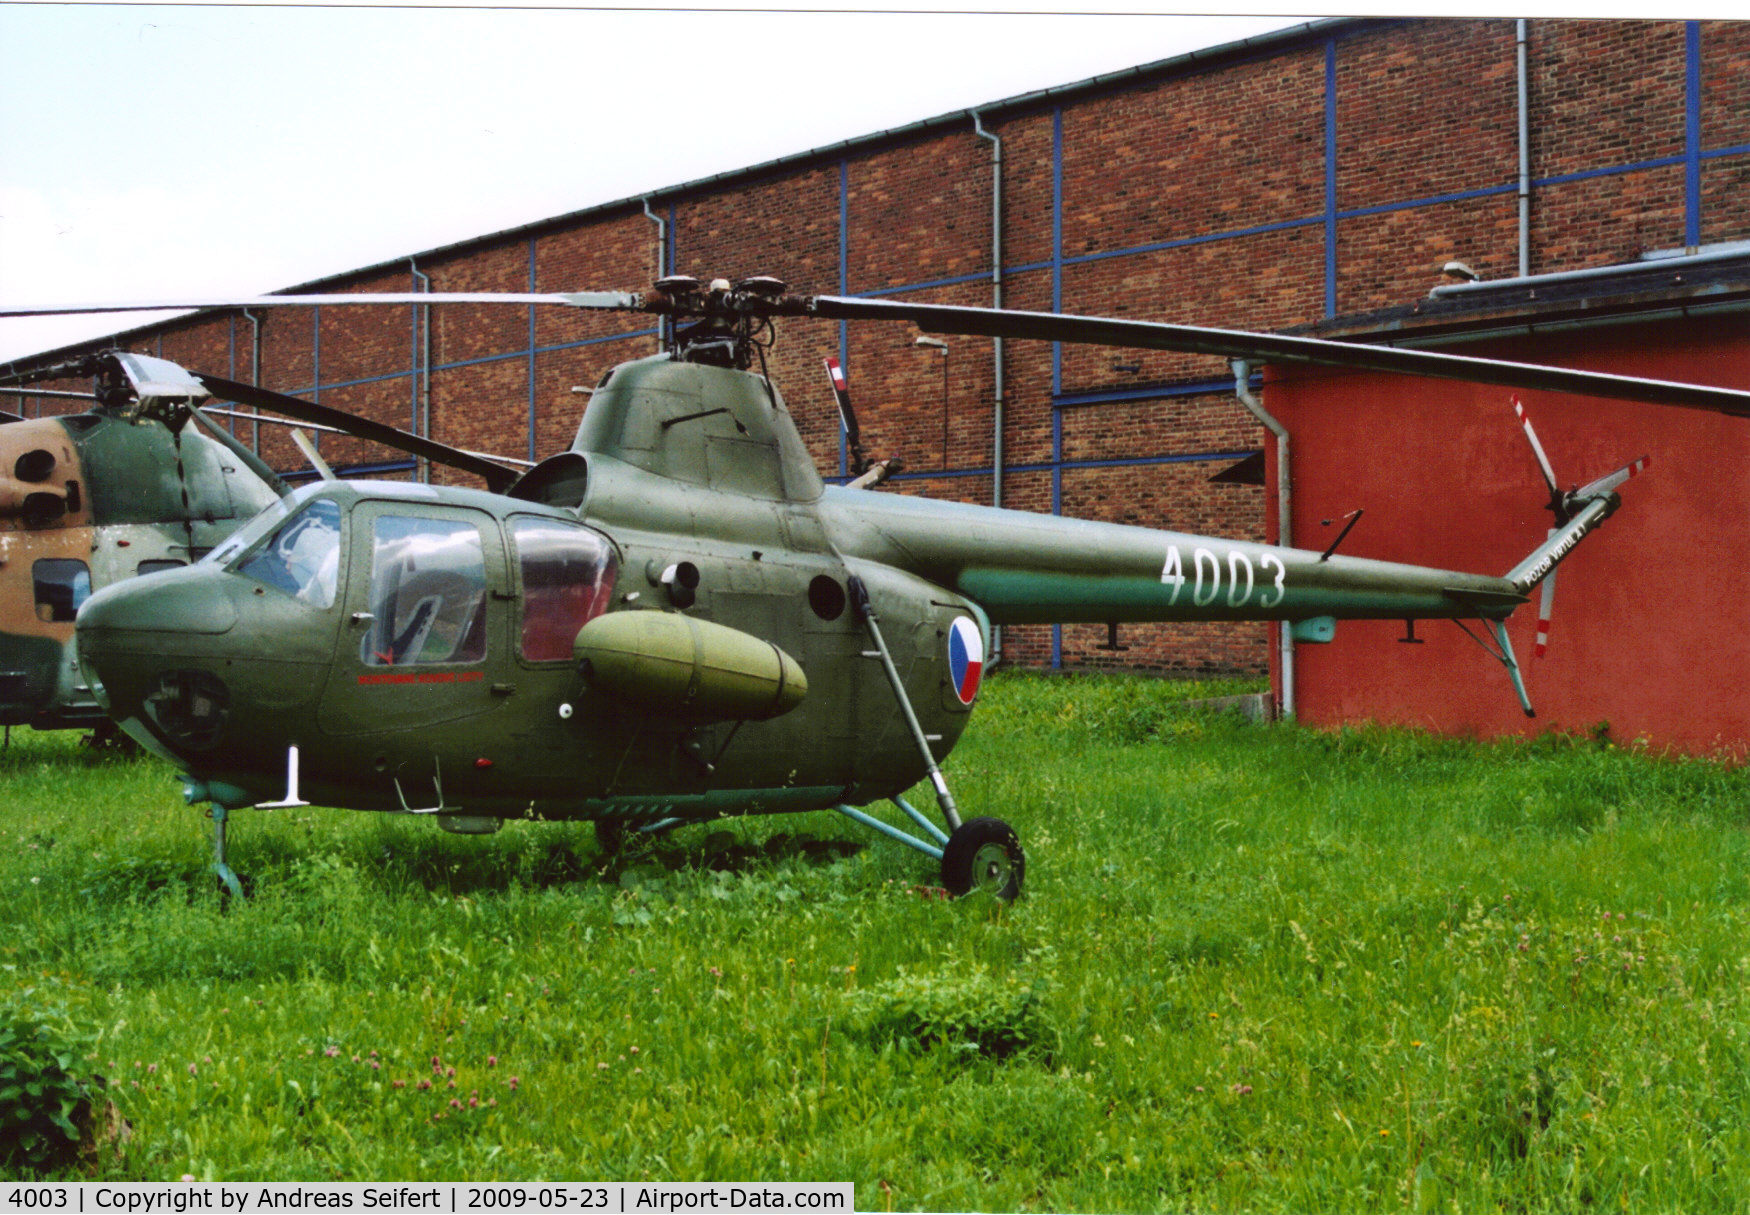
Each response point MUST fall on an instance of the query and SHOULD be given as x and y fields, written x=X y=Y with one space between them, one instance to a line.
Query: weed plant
x=1255 y=968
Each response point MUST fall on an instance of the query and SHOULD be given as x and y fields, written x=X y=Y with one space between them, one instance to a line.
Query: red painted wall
x=1651 y=612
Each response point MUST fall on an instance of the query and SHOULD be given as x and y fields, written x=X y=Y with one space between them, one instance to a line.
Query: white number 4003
x=1242 y=580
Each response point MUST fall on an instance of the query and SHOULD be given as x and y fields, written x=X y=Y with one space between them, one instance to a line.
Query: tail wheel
x=984 y=854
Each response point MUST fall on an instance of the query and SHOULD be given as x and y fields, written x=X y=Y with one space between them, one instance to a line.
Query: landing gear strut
x=980 y=854
x=226 y=876
x=610 y=835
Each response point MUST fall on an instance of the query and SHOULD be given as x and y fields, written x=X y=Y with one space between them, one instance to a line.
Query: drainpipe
x=996 y=299
x=254 y=376
x=1524 y=150
x=422 y=372
x=661 y=263
x=1284 y=513
x=999 y=363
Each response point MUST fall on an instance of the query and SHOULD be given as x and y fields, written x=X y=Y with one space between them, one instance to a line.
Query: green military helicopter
x=677 y=619
x=141 y=481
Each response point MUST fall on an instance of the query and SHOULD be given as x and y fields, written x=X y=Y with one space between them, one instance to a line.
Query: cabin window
x=157 y=565
x=568 y=578
x=62 y=584
x=302 y=556
x=428 y=593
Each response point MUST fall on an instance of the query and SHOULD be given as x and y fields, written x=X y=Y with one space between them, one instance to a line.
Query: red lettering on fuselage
x=423 y=677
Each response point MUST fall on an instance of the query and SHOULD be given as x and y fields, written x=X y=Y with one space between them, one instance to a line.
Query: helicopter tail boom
x=1025 y=568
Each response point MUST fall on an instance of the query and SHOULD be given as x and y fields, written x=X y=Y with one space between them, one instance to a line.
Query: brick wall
x=1202 y=193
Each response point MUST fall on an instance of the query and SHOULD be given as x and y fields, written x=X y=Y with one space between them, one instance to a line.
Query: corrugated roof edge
x=1161 y=67
x=1198 y=60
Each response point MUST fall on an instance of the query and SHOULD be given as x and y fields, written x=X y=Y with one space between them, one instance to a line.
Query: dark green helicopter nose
x=172 y=602
x=208 y=667
x=155 y=649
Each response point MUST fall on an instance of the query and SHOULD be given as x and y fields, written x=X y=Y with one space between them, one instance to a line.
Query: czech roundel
x=965 y=658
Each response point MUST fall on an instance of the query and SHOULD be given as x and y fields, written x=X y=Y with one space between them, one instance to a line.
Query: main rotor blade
x=48 y=392
x=210 y=412
x=610 y=301
x=1276 y=348
x=497 y=477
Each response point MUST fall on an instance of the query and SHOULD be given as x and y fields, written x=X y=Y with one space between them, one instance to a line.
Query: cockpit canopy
x=430 y=571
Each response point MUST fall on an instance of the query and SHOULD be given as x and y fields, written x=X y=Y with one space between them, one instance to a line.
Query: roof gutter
x=1323 y=27
x=1520 y=329
x=1664 y=265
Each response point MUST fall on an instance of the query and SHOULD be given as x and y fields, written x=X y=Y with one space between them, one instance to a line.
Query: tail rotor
x=1595 y=501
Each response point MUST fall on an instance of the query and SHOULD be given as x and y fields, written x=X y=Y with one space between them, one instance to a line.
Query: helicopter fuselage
x=432 y=667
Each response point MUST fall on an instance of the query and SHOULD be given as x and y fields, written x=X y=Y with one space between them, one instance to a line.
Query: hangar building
x=1320 y=176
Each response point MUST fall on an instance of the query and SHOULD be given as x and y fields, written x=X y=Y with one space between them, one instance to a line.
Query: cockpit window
x=428 y=593
x=62 y=584
x=244 y=538
x=301 y=558
x=568 y=579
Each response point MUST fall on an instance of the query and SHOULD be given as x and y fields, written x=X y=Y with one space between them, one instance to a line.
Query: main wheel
x=984 y=854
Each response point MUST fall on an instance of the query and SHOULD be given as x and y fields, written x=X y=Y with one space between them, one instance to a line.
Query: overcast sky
x=149 y=151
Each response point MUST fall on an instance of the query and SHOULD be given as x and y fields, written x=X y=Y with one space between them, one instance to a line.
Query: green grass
x=1255 y=969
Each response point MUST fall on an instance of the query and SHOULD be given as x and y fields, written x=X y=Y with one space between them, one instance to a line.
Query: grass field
x=1255 y=969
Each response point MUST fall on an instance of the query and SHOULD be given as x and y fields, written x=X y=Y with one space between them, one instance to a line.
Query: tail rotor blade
x=1545 y=609
x=1593 y=496
x=1549 y=474
x=1605 y=485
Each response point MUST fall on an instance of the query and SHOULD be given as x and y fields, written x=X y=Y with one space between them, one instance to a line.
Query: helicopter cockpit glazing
x=432 y=574
x=301 y=556
x=428 y=592
x=568 y=573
